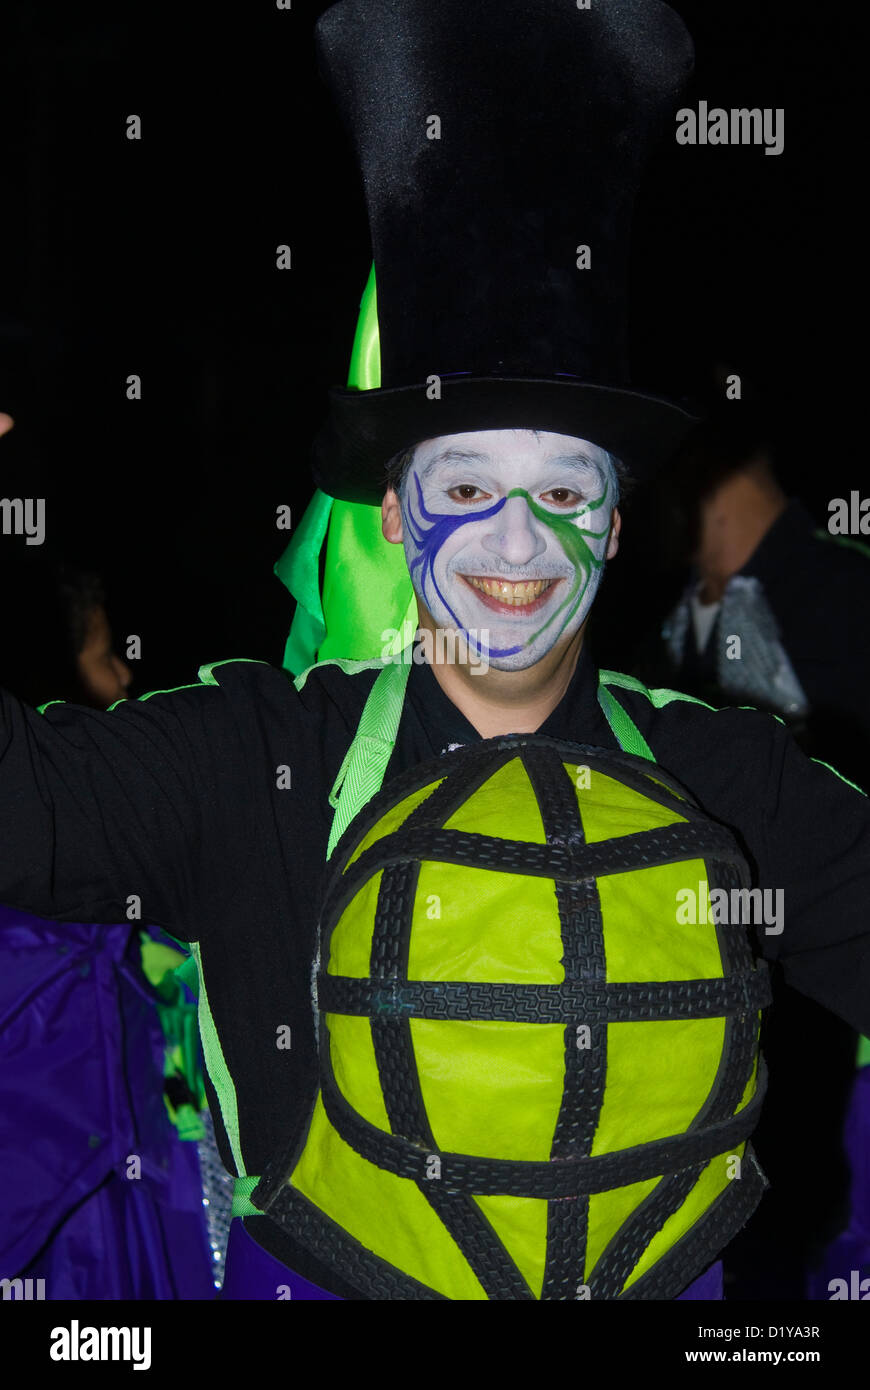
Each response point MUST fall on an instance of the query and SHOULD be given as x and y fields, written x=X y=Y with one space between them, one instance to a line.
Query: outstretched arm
x=134 y=813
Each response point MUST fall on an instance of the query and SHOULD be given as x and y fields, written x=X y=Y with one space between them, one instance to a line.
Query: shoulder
x=246 y=698
x=671 y=715
x=343 y=684
x=218 y=685
x=244 y=678
x=732 y=758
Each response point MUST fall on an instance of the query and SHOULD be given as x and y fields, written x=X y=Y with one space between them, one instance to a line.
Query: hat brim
x=365 y=429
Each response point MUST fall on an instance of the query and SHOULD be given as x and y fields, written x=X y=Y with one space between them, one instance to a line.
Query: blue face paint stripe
x=442 y=525
x=430 y=540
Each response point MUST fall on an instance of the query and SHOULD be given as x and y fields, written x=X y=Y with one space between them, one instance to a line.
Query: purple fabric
x=857 y=1138
x=81 y=1089
x=252 y=1273
x=708 y=1286
x=851 y=1250
x=123 y=1243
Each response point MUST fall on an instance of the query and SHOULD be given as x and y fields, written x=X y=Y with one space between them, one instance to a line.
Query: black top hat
x=548 y=113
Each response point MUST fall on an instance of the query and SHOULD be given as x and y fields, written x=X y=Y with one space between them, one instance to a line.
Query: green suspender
x=365 y=762
x=624 y=729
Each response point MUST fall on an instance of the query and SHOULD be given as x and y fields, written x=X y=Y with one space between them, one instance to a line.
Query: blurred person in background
x=773 y=614
x=774 y=607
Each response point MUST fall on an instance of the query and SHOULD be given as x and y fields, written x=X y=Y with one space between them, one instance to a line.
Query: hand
x=6 y=422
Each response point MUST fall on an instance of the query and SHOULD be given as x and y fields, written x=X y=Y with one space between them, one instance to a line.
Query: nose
x=513 y=535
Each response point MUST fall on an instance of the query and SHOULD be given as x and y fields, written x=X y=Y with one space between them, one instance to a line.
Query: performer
x=460 y=1043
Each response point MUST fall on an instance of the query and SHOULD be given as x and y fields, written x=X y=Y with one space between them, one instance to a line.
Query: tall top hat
x=495 y=141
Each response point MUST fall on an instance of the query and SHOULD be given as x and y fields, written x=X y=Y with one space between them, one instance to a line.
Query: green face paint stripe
x=573 y=543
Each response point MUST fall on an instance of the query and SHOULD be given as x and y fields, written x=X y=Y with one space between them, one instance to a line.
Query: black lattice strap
x=375 y=1279
x=640 y=1227
x=704 y=1240
x=479 y=761
x=480 y=1244
x=372 y=1277
x=545 y=1179
x=668 y=844
x=590 y=1001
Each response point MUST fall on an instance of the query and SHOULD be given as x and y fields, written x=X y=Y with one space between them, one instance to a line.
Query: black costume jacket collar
x=431 y=722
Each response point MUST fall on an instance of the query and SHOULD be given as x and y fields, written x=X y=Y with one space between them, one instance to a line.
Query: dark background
x=157 y=257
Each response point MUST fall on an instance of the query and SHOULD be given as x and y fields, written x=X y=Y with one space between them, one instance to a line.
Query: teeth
x=515 y=595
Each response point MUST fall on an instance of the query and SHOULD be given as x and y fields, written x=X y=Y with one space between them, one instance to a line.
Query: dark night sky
x=157 y=257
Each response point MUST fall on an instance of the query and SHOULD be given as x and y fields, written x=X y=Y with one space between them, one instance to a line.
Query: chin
x=510 y=663
x=520 y=661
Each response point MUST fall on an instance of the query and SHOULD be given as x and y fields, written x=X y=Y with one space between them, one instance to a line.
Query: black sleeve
x=144 y=801
x=815 y=845
x=806 y=833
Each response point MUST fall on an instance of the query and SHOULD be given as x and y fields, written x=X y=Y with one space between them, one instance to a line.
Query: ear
x=615 y=528
x=391 y=517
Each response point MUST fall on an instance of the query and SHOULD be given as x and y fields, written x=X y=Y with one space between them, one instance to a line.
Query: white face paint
x=507 y=533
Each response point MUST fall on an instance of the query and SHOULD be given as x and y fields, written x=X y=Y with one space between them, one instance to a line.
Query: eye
x=464 y=492
x=563 y=497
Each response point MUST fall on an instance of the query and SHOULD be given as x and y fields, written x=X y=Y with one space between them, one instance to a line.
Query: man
x=215 y=802
x=191 y=819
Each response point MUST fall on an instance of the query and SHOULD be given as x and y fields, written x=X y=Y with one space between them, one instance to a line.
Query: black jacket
x=174 y=800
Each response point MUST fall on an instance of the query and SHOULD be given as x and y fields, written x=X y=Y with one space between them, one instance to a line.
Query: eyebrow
x=453 y=456
x=576 y=461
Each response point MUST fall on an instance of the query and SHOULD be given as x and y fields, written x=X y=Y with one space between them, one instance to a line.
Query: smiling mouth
x=504 y=595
